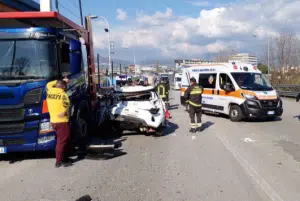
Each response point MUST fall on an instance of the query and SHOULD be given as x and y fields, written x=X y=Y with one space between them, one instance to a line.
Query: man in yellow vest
x=58 y=106
x=193 y=96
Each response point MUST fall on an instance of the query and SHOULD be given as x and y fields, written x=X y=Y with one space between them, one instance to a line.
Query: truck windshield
x=27 y=59
x=252 y=81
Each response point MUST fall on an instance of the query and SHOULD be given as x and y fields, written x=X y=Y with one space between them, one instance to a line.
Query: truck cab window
x=224 y=78
x=208 y=80
x=65 y=59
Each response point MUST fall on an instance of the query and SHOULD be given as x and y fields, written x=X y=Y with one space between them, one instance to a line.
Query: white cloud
x=121 y=15
x=198 y=3
x=214 y=30
x=157 y=19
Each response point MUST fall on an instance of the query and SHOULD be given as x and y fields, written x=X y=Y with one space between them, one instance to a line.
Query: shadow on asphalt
x=223 y=116
x=298 y=117
x=76 y=154
x=264 y=120
x=207 y=124
x=173 y=107
x=13 y=158
x=171 y=128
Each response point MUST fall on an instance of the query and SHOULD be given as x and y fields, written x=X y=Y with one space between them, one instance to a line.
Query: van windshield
x=178 y=79
x=252 y=81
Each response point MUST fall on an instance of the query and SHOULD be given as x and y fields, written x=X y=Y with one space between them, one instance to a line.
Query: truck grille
x=11 y=129
x=269 y=103
x=12 y=142
x=11 y=114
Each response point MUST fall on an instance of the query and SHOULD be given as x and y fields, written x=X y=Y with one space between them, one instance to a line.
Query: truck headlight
x=248 y=96
x=45 y=139
x=45 y=127
x=33 y=97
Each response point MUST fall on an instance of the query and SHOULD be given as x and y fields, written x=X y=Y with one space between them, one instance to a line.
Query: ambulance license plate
x=271 y=112
x=2 y=150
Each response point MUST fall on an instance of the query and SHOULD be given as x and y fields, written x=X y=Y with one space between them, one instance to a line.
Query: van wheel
x=235 y=113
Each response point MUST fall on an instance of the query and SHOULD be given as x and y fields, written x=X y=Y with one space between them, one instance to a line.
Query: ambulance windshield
x=252 y=81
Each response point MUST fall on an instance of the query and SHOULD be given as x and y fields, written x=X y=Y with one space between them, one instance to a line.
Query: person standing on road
x=193 y=95
x=58 y=105
x=162 y=90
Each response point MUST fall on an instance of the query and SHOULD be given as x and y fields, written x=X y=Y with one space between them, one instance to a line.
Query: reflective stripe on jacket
x=161 y=90
x=193 y=95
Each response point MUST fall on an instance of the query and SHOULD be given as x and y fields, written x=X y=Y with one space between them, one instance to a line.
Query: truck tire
x=235 y=113
x=82 y=127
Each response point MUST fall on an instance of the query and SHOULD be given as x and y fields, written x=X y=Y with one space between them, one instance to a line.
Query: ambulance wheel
x=235 y=113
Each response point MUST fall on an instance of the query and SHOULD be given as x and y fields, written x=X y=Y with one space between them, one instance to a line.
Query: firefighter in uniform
x=162 y=91
x=193 y=95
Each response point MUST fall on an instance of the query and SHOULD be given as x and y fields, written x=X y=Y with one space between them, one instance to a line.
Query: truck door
x=208 y=82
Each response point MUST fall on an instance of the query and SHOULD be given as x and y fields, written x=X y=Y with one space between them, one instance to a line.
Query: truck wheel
x=235 y=113
x=82 y=127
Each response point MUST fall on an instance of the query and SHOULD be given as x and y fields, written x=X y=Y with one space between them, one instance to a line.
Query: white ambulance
x=236 y=89
x=177 y=81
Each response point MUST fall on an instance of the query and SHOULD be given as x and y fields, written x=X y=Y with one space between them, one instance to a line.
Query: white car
x=139 y=109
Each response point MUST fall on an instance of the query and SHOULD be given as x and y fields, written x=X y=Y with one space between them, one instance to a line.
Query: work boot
x=193 y=130
x=58 y=164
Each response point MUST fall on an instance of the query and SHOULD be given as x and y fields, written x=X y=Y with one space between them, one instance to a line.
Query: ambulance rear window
x=208 y=80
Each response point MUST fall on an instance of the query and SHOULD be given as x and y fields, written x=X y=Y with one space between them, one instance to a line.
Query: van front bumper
x=253 y=109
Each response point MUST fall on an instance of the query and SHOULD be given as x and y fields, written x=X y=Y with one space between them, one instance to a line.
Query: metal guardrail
x=290 y=91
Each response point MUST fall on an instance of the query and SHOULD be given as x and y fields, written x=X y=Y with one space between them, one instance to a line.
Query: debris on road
x=248 y=140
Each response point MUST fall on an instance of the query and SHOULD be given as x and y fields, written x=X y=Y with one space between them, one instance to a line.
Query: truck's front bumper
x=255 y=109
x=27 y=141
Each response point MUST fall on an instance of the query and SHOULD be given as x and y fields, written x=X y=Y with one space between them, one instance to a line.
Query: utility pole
x=120 y=69
x=268 y=55
x=112 y=72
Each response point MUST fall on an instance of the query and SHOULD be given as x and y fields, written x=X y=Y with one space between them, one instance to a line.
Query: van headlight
x=249 y=96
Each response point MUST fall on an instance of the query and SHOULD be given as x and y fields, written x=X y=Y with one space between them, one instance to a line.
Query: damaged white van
x=139 y=109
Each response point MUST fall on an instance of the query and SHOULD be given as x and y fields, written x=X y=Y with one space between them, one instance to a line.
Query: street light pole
x=268 y=55
x=108 y=35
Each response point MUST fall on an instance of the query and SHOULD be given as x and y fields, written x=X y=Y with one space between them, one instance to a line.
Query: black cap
x=193 y=79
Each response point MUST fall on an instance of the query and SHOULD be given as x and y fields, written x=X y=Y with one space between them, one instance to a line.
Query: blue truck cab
x=29 y=59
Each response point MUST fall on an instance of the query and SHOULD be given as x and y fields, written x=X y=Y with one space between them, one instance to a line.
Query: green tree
x=263 y=68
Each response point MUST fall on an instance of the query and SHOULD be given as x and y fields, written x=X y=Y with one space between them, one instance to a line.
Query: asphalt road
x=248 y=161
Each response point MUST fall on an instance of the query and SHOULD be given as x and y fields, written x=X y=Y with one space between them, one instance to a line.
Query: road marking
x=253 y=173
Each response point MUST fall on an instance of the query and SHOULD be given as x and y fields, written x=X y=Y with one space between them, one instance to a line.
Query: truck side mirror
x=75 y=56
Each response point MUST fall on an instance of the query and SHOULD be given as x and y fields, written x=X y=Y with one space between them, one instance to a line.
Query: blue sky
x=174 y=29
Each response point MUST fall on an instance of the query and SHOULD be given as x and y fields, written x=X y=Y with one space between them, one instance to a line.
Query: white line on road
x=253 y=173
